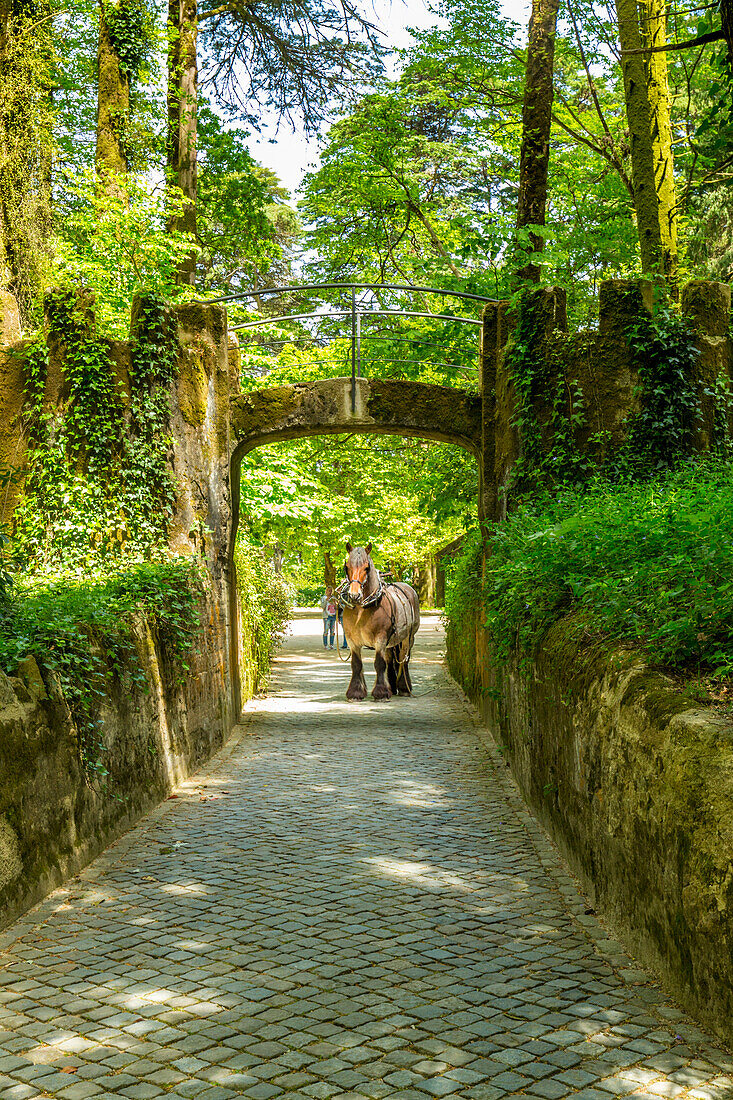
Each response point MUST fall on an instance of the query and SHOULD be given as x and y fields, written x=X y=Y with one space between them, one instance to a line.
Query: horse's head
x=360 y=571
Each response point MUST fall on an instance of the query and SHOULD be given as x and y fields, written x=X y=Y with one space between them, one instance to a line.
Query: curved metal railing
x=365 y=303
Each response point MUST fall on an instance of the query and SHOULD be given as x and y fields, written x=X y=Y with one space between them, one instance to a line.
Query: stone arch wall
x=324 y=407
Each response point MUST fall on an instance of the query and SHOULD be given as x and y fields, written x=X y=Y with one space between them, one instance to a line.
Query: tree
x=26 y=121
x=642 y=33
x=113 y=101
x=536 y=124
x=127 y=39
x=291 y=57
x=183 y=120
x=246 y=229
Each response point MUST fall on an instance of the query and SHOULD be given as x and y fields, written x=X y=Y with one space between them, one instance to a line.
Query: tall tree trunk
x=536 y=123
x=726 y=18
x=113 y=105
x=26 y=56
x=642 y=25
x=183 y=118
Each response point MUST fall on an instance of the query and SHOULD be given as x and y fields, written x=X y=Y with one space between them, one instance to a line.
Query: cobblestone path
x=351 y=902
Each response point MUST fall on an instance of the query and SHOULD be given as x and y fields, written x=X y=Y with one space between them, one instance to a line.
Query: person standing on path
x=329 y=608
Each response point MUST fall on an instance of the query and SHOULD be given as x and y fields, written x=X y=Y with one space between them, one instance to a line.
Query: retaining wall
x=635 y=786
x=53 y=818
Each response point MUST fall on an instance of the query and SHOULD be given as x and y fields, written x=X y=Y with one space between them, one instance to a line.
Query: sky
x=290 y=154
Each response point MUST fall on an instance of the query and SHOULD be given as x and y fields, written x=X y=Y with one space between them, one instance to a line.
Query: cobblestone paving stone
x=351 y=902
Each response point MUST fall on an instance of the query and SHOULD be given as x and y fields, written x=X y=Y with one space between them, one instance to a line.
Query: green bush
x=80 y=634
x=266 y=601
x=646 y=564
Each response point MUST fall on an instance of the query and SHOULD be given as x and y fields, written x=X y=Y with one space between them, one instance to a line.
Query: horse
x=380 y=617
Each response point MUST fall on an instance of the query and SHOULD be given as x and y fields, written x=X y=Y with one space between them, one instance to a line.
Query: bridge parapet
x=324 y=407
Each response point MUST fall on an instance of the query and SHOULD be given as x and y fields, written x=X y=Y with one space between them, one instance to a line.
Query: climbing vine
x=99 y=483
x=548 y=452
x=90 y=531
x=131 y=28
x=664 y=352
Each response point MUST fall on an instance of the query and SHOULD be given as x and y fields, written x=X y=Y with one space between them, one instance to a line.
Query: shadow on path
x=350 y=902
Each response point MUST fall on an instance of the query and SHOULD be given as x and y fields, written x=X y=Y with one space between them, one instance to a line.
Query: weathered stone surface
x=708 y=304
x=52 y=818
x=345 y=903
x=635 y=787
x=10 y=328
x=324 y=407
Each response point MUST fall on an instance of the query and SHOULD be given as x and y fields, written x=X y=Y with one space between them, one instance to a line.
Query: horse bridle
x=368 y=601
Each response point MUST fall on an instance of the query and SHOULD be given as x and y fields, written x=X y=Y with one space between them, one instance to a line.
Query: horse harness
x=374 y=600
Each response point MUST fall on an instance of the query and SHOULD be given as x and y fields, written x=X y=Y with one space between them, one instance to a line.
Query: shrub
x=266 y=601
x=648 y=564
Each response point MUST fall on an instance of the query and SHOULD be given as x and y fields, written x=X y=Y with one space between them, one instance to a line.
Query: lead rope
x=343 y=660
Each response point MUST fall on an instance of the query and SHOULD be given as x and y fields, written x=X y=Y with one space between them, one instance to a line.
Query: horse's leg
x=380 y=689
x=404 y=683
x=357 y=689
x=392 y=665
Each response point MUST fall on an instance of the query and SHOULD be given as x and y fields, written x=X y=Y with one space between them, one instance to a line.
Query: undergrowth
x=81 y=634
x=266 y=600
x=648 y=564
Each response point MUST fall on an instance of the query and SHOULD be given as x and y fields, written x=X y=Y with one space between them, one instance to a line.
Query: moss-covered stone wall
x=53 y=817
x=635 y=786
x=598 y=361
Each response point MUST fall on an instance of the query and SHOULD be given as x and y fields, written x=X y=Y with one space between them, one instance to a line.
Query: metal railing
x=358 y=312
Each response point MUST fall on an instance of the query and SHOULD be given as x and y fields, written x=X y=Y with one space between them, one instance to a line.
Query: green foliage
x=311 y=496
x=246 y=229
x=132 y=31
x=464 y=582
x=549 y=450
x=266 y=601
x=649 y=564
x=664 y=351
x=81 y=633
x=99 y=485
x=116 y=242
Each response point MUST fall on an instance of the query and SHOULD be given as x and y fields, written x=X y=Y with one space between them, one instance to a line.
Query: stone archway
x=330 y=407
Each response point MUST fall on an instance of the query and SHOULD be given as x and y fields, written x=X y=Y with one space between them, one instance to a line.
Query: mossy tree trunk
x=26 y=125
x=642 y=26
x=113 y=105
x=182 y=119
x=726 y=16
x=536 y=123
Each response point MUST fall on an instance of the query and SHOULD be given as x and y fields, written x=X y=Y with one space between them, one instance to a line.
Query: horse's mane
x=359 y=555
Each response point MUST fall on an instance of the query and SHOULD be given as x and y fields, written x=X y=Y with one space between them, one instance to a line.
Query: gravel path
x=350 y=902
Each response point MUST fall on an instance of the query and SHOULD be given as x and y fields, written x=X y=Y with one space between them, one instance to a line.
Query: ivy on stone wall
x=81 y=634
x=663 y=354
x=89 y=537
x=99 y=484
x=549 y=450
x=550 y=412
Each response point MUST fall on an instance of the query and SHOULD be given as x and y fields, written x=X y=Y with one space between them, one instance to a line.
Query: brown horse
x=381 y=617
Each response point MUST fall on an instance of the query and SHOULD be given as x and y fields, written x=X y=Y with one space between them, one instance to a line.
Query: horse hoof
x=380 y=693
x=403 y=692
x=355 y=696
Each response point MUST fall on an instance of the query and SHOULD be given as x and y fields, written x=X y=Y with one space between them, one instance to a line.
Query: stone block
x=709 y=306
x=620 y=301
